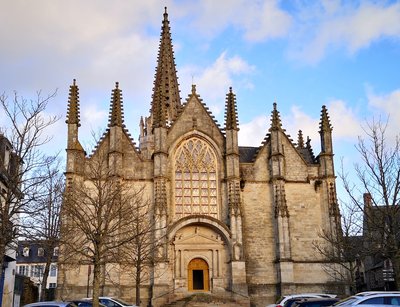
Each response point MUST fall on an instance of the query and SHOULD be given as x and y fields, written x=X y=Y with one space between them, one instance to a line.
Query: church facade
x=237 y=222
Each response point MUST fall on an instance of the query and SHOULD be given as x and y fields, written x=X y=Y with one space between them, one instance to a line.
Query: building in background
x=9 y=164
x=240 y=221
x=378 y=220
x=31 y=262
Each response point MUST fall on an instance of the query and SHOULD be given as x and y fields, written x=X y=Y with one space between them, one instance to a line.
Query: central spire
x=166 y=88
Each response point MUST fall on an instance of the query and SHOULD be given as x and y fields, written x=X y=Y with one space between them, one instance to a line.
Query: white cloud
x=351 y=26
x=298 y=120
x=92 y=115
x=344 y=119
x=259 y=20
x=67 y=26
x=387 y=106
x=264 y=20
x=253 y=132
x=213 y=82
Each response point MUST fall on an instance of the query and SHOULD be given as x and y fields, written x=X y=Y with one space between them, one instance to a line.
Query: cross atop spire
x=116 y=117
x=166 y=87
x=73 y=105
x=231 y=118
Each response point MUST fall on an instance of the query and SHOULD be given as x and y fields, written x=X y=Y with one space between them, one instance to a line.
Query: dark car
x=315 y=302
x=51 y=304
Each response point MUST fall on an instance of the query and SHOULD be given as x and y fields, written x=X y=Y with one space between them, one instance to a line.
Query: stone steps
x=202 y=300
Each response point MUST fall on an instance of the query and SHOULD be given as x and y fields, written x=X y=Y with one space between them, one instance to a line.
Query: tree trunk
x=96 y=283
x=49 y=255
x=2 y=254
x=138 y=281
x=396 y=269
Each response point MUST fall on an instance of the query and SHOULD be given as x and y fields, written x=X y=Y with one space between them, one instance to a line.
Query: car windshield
x=121 y=301
x=291 y=301
x=346 y=301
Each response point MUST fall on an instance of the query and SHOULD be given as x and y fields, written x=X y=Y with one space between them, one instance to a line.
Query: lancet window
x=195 y=179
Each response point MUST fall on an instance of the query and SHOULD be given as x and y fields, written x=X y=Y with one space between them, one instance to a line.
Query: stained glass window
x=195 y=179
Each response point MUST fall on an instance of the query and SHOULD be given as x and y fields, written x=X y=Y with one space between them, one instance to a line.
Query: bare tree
x=26 y=131
x=44 y=223
x=343 y=250
x=98 y=215
x=378 y=182
x=137 y=256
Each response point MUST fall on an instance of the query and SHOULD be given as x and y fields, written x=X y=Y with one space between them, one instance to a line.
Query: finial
x=275 y=120
x=231 y=118
x=193 y=88
x=308 y=142
x=325 y=123
x=73 y=105
x=300 y=140
x=116 y=116
x=165 y=14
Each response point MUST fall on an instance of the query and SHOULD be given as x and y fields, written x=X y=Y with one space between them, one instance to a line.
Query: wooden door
x=198 y=275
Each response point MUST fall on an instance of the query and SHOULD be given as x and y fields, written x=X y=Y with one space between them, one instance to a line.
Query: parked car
x=51 y=304
x=288 y=300
x=85 y=303
x=112 y=302
x=315 y=302
x=371 y=298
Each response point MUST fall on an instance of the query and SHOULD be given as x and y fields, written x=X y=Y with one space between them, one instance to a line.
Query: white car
x=372 y=298
x=113 y=302
x=288 y=300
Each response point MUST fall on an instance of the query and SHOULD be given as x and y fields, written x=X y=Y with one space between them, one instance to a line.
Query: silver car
x=371 y=298
x=287 y=300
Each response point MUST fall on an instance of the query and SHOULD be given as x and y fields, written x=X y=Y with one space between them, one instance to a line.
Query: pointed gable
x=300 y=156
x=195 y=115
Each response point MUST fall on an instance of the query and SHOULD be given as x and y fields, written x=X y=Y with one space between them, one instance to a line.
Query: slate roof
x=247 y=154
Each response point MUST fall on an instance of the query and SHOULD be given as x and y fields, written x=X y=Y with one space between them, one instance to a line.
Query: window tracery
x=195 y=179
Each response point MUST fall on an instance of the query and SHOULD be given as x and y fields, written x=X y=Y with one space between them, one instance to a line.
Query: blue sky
x=301 y=54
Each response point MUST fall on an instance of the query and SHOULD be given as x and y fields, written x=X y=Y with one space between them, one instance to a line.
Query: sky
x=300 y=54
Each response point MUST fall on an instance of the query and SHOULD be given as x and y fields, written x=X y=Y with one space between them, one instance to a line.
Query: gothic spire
x=231 y=118
x=159 y=110
x=325 y=123
x=166 y=87
x=73 y=105
x=275 y=119
x=116 y=116
x=325 y=131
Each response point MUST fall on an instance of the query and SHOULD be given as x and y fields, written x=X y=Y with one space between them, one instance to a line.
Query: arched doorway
x=198 y=275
